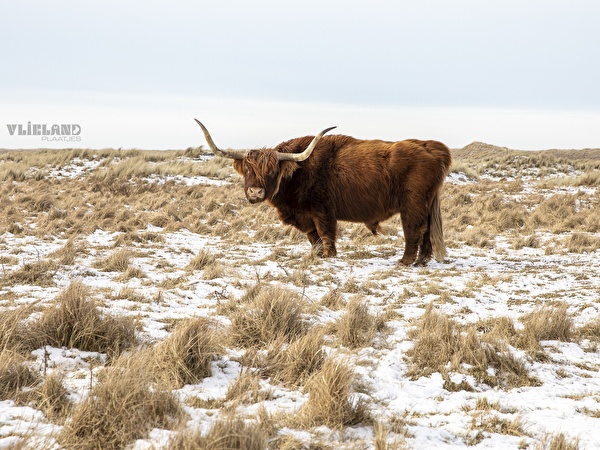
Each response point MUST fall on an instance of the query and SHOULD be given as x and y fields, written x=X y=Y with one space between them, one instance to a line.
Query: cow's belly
x=364 y=216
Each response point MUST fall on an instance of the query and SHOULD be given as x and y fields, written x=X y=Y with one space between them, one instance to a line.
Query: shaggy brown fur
x=354 y=180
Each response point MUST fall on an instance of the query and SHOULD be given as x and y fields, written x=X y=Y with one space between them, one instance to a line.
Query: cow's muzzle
x=255 y=194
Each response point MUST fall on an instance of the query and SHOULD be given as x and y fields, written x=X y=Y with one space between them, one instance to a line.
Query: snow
x=508 y=283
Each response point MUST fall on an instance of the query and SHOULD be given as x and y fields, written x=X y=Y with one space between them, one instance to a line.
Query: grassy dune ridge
x=142 y=296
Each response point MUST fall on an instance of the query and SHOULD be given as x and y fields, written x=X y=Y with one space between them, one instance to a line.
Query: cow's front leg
x=317 y=243
x=326 y=226
x=305 y=224
x=329 y=250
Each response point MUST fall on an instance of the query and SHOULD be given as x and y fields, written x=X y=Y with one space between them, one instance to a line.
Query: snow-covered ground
x=480 y=283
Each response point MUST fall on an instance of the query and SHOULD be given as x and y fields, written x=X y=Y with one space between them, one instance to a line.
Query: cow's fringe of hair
x=436 y=231
x=263 y=163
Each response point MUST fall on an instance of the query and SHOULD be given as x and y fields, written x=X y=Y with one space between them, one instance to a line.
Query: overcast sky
x=522 y=74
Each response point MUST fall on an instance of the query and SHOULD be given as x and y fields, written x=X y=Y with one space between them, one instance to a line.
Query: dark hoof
x=329 y=253
x=407 y=261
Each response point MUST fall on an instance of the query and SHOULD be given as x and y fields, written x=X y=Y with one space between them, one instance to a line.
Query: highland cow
x=315 y=181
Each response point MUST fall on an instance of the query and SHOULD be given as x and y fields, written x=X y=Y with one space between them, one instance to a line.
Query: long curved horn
x=306 y=153
x=233 y=154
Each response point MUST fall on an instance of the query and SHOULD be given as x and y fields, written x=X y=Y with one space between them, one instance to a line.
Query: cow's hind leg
x=425 y=249
x=414 y=230
x=374 y=226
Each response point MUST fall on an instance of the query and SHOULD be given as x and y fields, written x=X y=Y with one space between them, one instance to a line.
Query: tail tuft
x=436 y=230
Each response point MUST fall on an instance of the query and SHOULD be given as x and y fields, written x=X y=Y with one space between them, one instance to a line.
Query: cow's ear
x=238 y=165
x=287 y=168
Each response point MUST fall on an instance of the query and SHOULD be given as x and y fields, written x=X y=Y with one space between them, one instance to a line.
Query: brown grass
x=75 y=321
x=39 y=273
x=436 y=341
x=440 y=343
x=203 y=259
x=591 y=330
x=582 y=243
x=557 y=441
x=185 y=357
x=331 y=400
x=117 y=261
x=246 y=388
x=561 y=213
x=549 y=323
x=51 y=397
x=491 y=422
x=14 y=335
x=333 y=300
x=66 y=255
x=295 y=364
x=358 y=326
x=125 y=405
x=290 y=442
x=476 y=213
x=15 y=374
x=382 y=440
x=224 y=434
x=274 y=314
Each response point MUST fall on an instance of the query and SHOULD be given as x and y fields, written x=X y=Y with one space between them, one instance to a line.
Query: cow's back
x=365 y=180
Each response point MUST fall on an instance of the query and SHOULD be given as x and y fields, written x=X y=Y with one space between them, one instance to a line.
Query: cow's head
x=263 y=169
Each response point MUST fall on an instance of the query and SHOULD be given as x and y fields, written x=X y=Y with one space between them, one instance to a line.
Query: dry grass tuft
x=274 y=314
x=491 y=422
x=290 y=442
x=201 y=260
x=224 y=434
x=333 y=300
x=382 y=439
x=117 y=261
x=582 y=243
x=14 y=332
x=295 y=364
x=39 y=273
x=66 y=255
x=588 y=179
x=185 y=356
x=557 y=442
x=125 y=405
x=560 y=213
x=246 y=388
x=441 y=345
x=436 y=341
x=15 y=375
x=590 y=330
x=380 y=436
x=358 y=326
x=549 y=323
x=331 y=401
x=75 y=322
x=483 y=404
x=51 y=397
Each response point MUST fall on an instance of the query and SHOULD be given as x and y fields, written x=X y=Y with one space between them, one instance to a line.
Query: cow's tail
x=436 y=231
